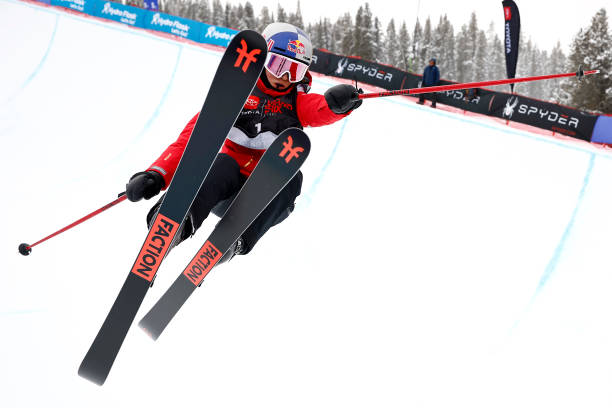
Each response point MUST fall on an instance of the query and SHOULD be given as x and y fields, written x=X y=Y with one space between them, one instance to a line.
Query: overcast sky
x=545 y=21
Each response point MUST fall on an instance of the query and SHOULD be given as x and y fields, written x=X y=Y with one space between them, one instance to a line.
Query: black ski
x=276 y=168
x=234 y=80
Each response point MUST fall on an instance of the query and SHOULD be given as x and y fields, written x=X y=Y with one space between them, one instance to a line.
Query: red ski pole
x=414 y=91
x=25 y=249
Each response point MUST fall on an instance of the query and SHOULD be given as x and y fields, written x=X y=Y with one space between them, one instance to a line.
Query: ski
x=236 y=76
x=276 y=168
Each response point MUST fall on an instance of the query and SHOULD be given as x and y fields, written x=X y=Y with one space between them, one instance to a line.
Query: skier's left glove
x=343 y=98
x=145 y=184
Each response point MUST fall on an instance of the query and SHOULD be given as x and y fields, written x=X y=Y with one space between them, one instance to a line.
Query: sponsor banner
x=545 y=115
x=178 y=26
x=84 y=6
x=151 y=5
x=44 y=1
x=474 y=100
x=117 y=12
x=357 y=69
x=512 y=30
x=216 y=35
x=392 y=78
x=603 y=130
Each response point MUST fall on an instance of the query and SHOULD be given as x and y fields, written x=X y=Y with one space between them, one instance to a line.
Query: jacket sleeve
x=312 y=110
x=167 y=163
x=437 y=76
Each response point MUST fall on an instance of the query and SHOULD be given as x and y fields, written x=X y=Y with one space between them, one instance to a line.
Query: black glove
x=343 y=98
x=145 y=184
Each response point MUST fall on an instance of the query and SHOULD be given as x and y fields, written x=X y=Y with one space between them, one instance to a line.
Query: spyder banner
x=512 y=29
x=545 y=115
x=517 y=108
x=359 y=70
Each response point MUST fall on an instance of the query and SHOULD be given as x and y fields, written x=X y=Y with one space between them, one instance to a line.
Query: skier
x=279 y=100
x=431 y=77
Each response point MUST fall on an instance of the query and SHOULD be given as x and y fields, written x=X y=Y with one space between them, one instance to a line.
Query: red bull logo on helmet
x=296 y=46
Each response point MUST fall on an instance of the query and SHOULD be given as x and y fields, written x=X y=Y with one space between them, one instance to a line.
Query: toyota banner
x=512 y=33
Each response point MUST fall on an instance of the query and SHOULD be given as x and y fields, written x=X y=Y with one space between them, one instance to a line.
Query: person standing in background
x=431 y=77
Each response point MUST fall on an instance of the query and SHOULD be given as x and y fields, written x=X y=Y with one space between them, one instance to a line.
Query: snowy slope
x=434 y=260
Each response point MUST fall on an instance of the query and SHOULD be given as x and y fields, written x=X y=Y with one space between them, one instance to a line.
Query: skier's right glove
x=145 y=184
x=342 y=98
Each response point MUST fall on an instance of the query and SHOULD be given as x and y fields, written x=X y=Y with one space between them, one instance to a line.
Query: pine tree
x=495 y=67
x=363 y=34
x=437 y=42
x=357 y=32
x=425 y=53
x=463 y=55
x=591 y=49
x=444 y=48
x=296 y=18
x=392 y=46
x=378 y=41
x=345 y=34
x=281 y=15
x=539 y=59
x=405 y=46
x=202 y=11
x=227 y=18
x=314 y=32
x=556 y=65
x=217 y=13
x=368 y=41
x=327 y=35
x=471 y=69
x=249 y=16
x=417 y=43
x=335 y=37
x=264 y=19
x=522 y=66
x=480 y=58
x=240 y=21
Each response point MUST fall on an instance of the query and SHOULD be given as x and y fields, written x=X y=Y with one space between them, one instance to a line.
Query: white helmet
x=289 y=41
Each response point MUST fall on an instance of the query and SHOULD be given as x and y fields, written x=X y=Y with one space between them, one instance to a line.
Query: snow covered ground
x=434 y=260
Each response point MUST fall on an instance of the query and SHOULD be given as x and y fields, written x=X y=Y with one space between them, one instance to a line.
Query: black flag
x=512 y=28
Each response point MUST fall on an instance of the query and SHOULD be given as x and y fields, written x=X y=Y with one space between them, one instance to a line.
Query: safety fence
x=512 y=107
x=151 y=20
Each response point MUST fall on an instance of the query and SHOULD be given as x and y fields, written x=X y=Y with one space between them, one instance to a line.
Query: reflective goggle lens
x=279 y=66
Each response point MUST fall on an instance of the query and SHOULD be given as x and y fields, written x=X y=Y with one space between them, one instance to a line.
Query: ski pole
x=580 y=73
x=25 y=249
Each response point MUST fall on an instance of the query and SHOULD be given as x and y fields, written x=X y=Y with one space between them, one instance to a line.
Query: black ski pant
x=431 y=96
x=223 y=182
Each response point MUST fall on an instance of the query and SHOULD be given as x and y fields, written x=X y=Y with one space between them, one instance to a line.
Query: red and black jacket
x=266 y=114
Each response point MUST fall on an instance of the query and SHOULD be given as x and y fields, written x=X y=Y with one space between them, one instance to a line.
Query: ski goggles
x=279 y=65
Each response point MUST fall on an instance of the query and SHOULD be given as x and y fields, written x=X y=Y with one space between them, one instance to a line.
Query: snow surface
x=434 y=260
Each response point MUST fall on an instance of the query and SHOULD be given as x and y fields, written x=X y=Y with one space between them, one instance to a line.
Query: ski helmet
x=293 y=45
